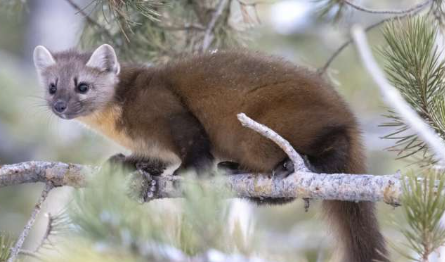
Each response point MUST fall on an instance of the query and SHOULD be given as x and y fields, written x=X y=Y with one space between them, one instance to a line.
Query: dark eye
x=52 y=89
x=83 y=88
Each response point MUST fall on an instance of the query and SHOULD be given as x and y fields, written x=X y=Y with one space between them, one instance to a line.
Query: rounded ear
x=42 y=58
x=105 y=59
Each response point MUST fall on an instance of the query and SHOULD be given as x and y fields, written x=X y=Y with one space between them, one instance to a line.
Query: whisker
x=34 y=97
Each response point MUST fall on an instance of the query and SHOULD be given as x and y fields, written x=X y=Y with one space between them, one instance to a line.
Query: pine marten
x=186 y=112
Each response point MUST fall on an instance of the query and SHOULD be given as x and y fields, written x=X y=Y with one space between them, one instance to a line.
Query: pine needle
x=414 y=67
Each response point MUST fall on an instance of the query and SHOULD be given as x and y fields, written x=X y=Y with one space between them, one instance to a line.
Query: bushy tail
x=355 y=224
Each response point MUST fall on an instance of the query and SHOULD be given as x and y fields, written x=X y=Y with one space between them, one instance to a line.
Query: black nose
x=60 y=106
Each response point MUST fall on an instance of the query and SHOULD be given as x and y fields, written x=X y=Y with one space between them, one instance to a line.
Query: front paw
x=141 y=186
x=116 y=159
x=283 y=169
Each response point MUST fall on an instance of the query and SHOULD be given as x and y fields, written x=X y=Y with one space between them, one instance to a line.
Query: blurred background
x=287 y=28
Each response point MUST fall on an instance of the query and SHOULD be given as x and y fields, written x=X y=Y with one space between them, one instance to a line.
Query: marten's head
x=77 y=84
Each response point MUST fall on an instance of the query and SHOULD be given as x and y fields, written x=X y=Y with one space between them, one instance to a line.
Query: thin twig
x=209 y=35
x=395 y=99
x=387 y=12
x=18 y=246
x=48 y=230
x=411 y=11
x=89 y=19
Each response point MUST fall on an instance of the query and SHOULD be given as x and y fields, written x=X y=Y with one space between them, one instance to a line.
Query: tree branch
x=404 y=13
x=302 y=184
x=60 y=174
x=18 y=245
x=393 y=97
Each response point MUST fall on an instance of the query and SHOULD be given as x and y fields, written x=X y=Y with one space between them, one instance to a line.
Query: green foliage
x=115 y=22
x=414 y=67
x=158 y=31
x=104 y=215
x=104 y=211
x=6 y=243
x=123 y=10
x=423 y=206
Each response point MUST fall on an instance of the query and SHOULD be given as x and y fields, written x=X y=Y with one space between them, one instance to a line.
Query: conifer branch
x=395 y=99
x=414 y=66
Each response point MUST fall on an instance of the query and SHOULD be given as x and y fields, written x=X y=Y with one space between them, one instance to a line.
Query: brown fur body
x=186 y=111
x=201 y=96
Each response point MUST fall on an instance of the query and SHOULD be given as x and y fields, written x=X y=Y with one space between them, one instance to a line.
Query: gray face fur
x=77 y=84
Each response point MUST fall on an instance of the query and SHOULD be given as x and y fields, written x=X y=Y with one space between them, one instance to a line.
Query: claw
x=142 y=186
x=283 y=169
x=149 y=189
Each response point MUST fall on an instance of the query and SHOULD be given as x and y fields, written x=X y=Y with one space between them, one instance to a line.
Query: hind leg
x=283 y=169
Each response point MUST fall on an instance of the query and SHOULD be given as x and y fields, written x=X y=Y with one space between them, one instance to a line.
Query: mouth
x=67 y=115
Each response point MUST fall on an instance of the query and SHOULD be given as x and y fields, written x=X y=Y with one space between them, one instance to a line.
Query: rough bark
x=301 y=184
